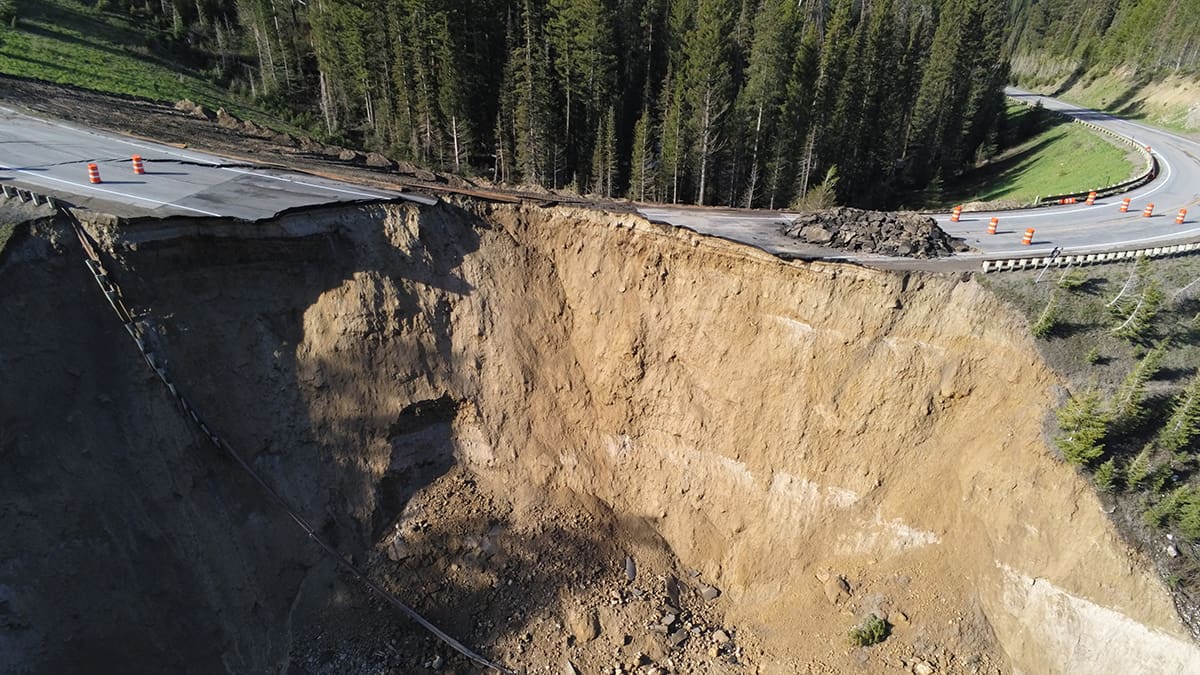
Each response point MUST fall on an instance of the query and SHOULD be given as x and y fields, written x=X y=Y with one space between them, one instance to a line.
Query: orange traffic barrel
x=992 y=225
x=1125 y=205
x=1091 y=200
x=138 y=167
x=93 y=173
x=1179 y=218
x=1028 y=238
x=956 y=214
x=1148 y=211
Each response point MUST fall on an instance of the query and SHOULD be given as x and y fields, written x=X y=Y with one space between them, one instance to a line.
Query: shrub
x=1048 y=319
x=822 y=196
x=1182 y=508
x=1106 y=475
x=1138 y=470
x=871 y=631
x=1093 y=356
x=1072 y=280
x=6 y=233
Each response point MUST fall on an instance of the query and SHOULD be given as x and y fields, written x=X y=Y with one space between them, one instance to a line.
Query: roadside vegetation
x=92 y=47
x=1135 y=58
x=1127 y=339
x=1042 y=153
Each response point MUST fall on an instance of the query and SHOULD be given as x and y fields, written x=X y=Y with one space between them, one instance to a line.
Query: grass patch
x=1059 y=157
x=67 y=42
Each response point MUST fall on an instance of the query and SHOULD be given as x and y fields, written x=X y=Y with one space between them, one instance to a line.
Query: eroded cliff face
x=773 y=425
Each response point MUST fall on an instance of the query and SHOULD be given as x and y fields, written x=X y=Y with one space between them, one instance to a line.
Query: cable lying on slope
x=113 y=294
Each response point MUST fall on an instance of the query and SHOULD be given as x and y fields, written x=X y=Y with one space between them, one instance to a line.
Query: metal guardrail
x=12 y=192
x=1034 y=262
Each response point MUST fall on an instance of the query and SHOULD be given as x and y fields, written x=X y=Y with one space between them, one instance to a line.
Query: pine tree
x=1184 y=423
x=791 y=151
x=707 y=83
x=1083 y=423
x=580 y=35
x=759 y=104
x=641 y=167
x=535 y=147
x=1127 y=402
x=673 y=158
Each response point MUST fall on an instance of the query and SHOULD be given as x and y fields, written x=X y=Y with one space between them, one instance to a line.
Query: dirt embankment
x=494 y=407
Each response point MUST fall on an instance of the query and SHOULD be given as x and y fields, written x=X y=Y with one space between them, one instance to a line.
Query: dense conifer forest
x=1145 y=39
x=732 y=102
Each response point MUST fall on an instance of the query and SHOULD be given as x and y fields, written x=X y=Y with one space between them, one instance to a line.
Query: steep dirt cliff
x=492 y=408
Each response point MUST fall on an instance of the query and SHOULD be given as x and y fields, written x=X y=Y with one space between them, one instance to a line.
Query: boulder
x=227 y=121
x=194 y=109
x=378 y=161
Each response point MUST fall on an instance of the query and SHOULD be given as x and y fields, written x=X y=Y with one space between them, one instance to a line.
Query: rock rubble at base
x=897 y=234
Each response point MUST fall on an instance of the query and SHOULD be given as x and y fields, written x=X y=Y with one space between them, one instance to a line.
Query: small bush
x=1093 y=356
x=1138 y=470
x=1072 y=280
x=871 y=631
x=1106 y=475
x=1047 y=320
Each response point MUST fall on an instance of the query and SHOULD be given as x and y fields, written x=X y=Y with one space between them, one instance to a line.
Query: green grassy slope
x=67 y=42
x=1063 y=157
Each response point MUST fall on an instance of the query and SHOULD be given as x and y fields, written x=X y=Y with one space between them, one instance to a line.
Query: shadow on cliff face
x=129 y=542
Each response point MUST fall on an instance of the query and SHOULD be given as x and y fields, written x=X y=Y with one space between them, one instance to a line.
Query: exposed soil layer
x=577 y=441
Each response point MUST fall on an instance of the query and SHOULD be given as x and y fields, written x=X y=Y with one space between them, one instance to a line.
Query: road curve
x=1076 y=228
x=51 y=157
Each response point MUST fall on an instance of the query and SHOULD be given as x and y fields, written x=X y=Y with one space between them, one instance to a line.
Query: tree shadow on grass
x=1000 y=175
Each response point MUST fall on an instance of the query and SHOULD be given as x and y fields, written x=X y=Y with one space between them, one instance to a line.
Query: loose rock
x=584 y=625
x=837 y=589
x=896 y=234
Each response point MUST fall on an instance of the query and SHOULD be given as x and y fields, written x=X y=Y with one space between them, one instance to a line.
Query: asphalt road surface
x=52 y=157
x=1076 y=228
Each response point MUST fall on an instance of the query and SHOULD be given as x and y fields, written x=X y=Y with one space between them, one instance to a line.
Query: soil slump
x=492 y=408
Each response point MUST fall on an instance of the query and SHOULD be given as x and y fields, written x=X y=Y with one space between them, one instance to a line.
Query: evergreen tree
x=1083 y=423
x=761 y=99
x=641 y=167
x=707 y=83
x=579 y=33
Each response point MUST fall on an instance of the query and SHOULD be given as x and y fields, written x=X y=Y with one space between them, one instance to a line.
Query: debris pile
x=899 y=234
